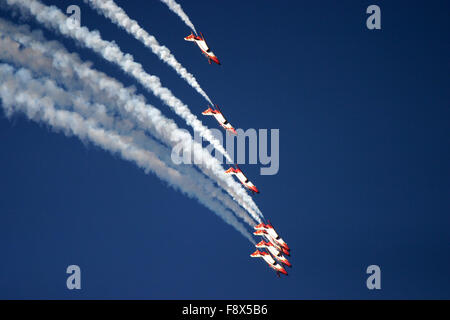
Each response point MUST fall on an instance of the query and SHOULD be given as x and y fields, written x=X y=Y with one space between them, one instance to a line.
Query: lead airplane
x=244 y=180
x=271 y=231
x=274 y=251
x=216 y=113
x=201 y=43
x=270 y=261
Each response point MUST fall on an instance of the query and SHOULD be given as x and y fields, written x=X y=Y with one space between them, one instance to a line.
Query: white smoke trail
x=117 y=15
x=53 y=18
x=38 y=98
x=178 y=10
x=46 y=57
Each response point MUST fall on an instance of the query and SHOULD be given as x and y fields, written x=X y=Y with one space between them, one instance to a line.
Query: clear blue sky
x=364 y=161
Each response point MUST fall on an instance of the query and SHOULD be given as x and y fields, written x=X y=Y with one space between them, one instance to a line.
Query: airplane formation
x=217 y=113
x=271 y=241
x=275 y=248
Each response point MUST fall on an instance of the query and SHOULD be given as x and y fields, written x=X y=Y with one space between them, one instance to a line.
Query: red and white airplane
x=200 y=41
x=270 y=261
x=264 y=234
x=216 y=113
x=244 y=180
x=274 y=251
x=272 y=233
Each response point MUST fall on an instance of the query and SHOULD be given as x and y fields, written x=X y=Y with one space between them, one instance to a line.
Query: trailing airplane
x=269 y=260
x=274 y=251
x=201 y=43
x=271 y=231
x=216 y=113
x=244 y=180
x=264 y=234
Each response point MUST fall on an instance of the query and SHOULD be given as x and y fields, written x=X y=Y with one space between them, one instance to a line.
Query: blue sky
x=364 y=161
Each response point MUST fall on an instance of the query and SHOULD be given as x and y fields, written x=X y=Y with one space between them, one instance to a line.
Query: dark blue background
x=364 y=161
